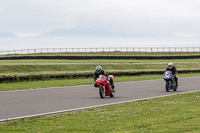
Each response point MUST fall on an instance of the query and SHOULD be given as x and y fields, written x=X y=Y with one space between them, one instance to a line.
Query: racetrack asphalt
x=28 y=103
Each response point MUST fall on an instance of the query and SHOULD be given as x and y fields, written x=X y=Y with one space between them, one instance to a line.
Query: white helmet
x=170 y=65
x=98 y=69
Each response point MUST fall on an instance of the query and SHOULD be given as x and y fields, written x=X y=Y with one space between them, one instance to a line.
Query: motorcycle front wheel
x=167 y=87
x=102 y=92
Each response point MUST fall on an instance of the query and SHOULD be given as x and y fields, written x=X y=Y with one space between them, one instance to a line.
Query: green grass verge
x=74 y=82
x=96 y=61
x=173 y=114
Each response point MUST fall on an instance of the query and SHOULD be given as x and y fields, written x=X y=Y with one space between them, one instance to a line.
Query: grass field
x=173 y=114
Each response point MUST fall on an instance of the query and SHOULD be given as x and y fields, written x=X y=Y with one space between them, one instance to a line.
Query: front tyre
x=167 y=86
x=102 y=92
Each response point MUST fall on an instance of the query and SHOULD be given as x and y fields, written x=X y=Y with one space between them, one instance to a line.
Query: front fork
x=103 y=86
x=169 y=84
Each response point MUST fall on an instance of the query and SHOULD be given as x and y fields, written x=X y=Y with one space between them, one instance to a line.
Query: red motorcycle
x=105 y=86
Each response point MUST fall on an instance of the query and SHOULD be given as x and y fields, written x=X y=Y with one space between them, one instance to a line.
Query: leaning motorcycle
x=170 y=81
x=105 y=86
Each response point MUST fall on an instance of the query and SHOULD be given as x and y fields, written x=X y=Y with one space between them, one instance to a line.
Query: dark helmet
x=170 y=65
x=98 y=69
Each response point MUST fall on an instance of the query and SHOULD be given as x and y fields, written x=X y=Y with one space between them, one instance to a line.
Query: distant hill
x=83 y=32
x=79 y=32
x=7 y=35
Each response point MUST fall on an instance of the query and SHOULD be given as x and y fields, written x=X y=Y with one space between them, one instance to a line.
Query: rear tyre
x=102 y=92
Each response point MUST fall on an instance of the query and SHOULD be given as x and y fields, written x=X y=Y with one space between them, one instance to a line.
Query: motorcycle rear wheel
x=102 y=92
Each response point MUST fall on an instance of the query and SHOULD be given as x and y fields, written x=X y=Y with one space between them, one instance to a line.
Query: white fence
x=106 y=49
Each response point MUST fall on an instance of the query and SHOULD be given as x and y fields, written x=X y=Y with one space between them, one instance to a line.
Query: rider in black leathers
x=98 y=72
x=172 y=68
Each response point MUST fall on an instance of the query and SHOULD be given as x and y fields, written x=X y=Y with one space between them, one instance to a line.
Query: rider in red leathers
x=98 y=72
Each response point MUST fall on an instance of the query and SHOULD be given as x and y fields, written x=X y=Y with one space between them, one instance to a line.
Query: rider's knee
x=95 y=84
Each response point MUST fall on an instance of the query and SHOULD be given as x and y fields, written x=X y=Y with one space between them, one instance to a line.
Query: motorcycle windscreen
x=101 y=77
x=168 y=74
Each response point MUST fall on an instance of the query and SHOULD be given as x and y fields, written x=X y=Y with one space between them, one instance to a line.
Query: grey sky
x=180 y=18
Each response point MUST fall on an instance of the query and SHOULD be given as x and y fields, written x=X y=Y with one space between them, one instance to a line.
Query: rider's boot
x=176 y=82
x=112 y=88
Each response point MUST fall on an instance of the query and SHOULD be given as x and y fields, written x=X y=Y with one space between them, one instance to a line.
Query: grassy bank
x=6 y=62
x=88 y=67
x=172 y=114
x=74 y=82
x=69 y=69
